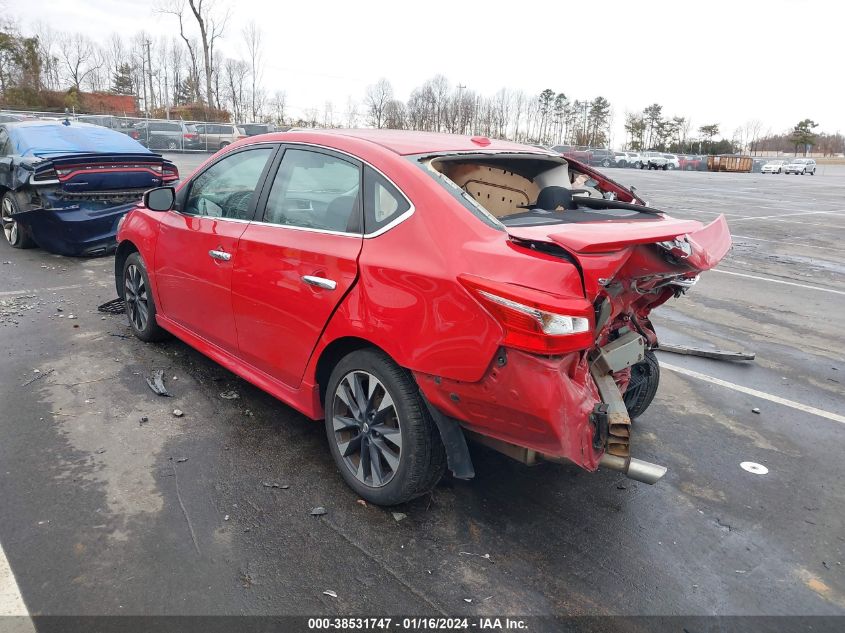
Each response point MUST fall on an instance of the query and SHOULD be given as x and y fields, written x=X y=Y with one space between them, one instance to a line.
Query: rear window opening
x=534 y=190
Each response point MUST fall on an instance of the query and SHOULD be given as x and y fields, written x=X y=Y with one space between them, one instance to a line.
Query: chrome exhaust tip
x=634 y=468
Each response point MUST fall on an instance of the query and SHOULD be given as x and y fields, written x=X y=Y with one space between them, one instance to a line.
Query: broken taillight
x=535 y=321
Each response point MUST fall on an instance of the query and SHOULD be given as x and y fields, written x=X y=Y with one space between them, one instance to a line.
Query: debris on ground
x=115 y=306
x=156 y=382
x=329 y=592
x=756 y=410
x=755 y=468
x=467 y=599
x=715 y=354
x=226 y=518
x=181 y=460
x=38 y=376
x=318 y=511
x=361 y=502
x=178 y=413
x=144 y=419
x=485 y=556
x=230 y=395
x=398 y=516
x=274 y=484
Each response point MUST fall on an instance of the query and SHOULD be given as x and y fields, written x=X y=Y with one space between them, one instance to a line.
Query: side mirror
x=160 y=198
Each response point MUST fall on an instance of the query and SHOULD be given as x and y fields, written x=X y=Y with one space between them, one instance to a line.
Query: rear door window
x=314 y=190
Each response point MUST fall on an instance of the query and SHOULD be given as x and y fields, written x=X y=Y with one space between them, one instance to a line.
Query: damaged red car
x=414 y=290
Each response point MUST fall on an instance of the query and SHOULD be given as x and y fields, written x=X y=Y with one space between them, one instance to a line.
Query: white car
x=653 y=160
x=800 y=166
x=634 y=160
x=773 y=167
x=621 y=159
x=672 y=161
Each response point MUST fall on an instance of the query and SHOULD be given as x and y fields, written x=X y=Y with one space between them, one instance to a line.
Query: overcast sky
x=713 y=61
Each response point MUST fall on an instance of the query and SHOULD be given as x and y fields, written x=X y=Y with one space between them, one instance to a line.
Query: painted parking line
x=784 y=215
x=11 y=601
x=754 y=392
x=778 y=281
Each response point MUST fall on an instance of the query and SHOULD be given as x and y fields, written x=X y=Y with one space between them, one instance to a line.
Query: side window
x=382 y=201
x=315 y=191
x=225 y=189
x=199 y=128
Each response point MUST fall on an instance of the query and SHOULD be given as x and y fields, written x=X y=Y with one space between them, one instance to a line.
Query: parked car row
x=790 y=166
x=637 y=160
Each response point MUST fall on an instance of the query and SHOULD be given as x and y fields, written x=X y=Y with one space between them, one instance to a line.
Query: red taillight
x=169 y=173
x=535 y=321
x=189 y=136
x=134 y=134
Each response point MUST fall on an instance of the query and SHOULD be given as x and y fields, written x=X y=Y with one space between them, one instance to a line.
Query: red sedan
x=413 y=289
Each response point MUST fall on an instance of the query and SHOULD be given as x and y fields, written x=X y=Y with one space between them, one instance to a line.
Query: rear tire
x=16 y=235
x=223 y=144
x=139 y=302
x=388 y=449
x=645 y=378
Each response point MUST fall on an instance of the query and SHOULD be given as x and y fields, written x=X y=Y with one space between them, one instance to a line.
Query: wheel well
x=330 y=357
x=124 y=250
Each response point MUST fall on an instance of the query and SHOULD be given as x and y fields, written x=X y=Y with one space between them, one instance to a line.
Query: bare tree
x=278 y=104
x=79 y=57
x=252 y=38
x=378 y=96
x=351 y=113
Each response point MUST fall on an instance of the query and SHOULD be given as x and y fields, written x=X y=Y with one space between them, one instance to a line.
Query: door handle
x=319 y=282
x=223 y=256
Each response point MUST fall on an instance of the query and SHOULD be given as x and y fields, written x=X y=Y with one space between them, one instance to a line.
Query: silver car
x=800 y=166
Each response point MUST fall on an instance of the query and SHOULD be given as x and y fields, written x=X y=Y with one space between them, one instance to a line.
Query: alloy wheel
x=10 y=226
x=137 y=302
x=367 y=429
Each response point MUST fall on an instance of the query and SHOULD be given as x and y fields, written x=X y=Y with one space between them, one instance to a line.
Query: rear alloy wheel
x=605 y=163
x=171 y=144
x=16 y=235
x=140 y=306
x=382 y=438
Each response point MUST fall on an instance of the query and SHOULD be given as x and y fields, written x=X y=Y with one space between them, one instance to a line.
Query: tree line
x=186 y=76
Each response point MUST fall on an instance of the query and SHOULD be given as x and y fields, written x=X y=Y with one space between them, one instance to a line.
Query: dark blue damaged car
x=65 y=185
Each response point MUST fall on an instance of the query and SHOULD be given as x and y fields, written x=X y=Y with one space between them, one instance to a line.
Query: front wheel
x=172 y=144
x=16 y=235
x=605 y=163
x=382 y=438
x=138 y=299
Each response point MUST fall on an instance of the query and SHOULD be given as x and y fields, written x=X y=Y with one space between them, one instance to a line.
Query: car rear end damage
x=74 y=202
x=555 y=389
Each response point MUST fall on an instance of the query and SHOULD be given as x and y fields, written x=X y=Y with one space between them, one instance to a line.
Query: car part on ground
x=68 y=184
x=716 y=354
x=522 y=324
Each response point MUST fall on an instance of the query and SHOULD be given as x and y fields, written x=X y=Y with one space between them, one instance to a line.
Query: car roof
x=406 y=143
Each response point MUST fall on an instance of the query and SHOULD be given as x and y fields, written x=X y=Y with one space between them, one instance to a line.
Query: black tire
x=421 y=460
x=16 y=235
x=645 y=377
x=666 y=167
x=139 y=302
x=605 y=163
x=223 y=144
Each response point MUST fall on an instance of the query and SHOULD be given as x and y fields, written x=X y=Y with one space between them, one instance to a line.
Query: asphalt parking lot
x=111 y=505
